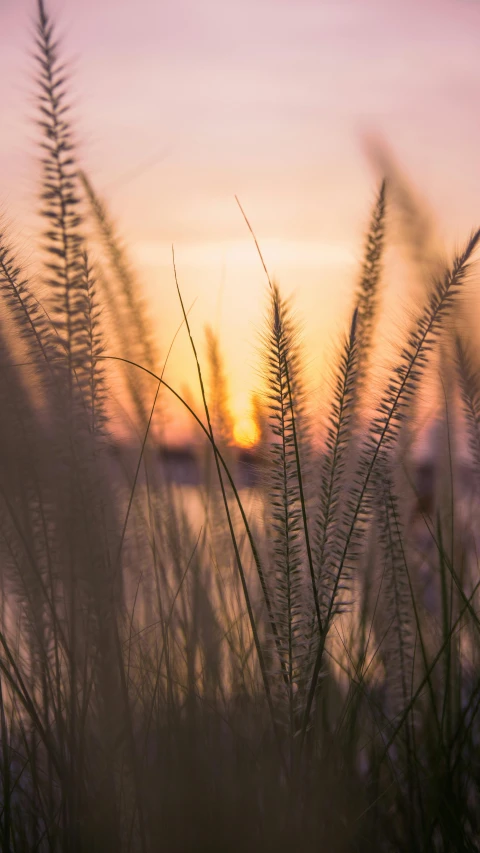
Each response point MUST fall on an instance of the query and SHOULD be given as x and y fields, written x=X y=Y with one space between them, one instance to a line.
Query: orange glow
x=245 y=432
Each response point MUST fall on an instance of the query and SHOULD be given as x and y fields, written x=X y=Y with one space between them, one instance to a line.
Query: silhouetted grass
x=293 y=666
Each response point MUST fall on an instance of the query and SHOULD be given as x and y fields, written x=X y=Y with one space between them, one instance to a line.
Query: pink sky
x=267 y=99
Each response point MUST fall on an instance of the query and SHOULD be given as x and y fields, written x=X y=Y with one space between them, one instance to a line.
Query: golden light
x=245 y=432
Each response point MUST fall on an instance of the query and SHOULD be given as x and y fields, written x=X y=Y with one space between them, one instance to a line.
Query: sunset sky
x=181 y=105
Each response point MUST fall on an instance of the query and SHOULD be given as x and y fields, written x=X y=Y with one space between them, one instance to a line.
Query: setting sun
x=245 y=432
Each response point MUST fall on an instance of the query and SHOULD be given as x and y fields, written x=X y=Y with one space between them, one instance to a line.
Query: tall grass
x=293 y=666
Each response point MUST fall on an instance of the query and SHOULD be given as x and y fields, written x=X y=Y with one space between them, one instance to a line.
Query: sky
x=180 y=105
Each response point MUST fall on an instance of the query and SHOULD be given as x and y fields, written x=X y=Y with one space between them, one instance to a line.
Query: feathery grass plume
x=333 y=483
x=469 y=376
x=222 y=423
x=27 y=536
x=117 y=328
x=133 y=310
x=414 y=222
x=59 y=194
x=22 y=440
x=414 y=354
x=282 y=367
x=416 y=233
x=30 y=321
x=300 y=433
x=82 y=547
x=385 y=426
x=367 y=296
x=235 y=544
x=90 y=370
x=29 y=529
x=395 y=610
x=83 y=512
x=131 y=326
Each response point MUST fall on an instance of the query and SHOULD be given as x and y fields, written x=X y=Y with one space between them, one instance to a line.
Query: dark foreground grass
x=292 y=668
